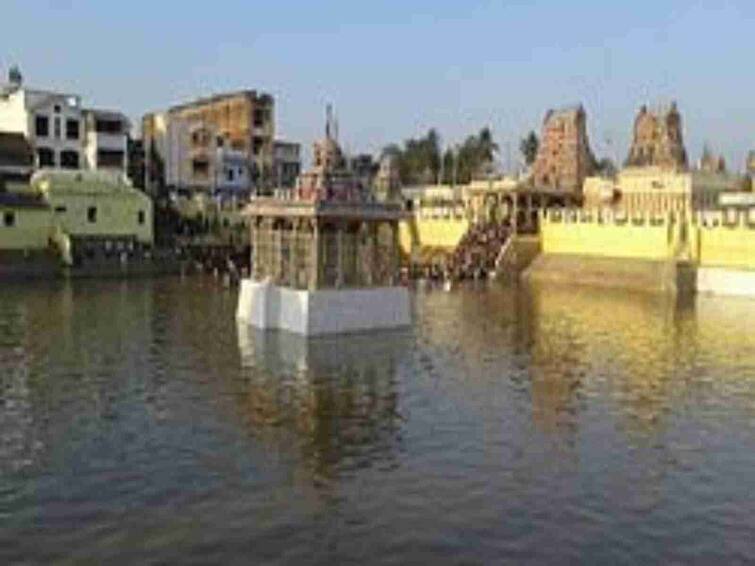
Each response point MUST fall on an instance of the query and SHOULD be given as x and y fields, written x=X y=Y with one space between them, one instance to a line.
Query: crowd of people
x=476 y=253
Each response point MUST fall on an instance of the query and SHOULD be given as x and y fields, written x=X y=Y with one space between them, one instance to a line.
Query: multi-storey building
x=563 y=158
x=63 y=134
x=105 y=139
x=286 y=163
x=224 y=142
x=657 y=139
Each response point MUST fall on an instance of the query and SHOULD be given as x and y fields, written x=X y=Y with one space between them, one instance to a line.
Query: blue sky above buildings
x=393 y=69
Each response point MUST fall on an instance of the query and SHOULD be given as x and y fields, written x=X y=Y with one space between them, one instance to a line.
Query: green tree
x=605 y=167
x=529 y=146
x=419 y=160
x=486 y=146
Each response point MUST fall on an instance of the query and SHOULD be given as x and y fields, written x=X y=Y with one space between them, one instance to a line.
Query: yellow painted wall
x=607 y=239
x=31 y=230
x=724 y=246
x=71 y=194
x=417 y=233
x=718 y=245
x=117 y=214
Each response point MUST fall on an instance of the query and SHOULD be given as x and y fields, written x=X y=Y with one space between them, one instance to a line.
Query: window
x=46 y=157
x=220 y=141
x=72 y=129
x=110 y=158
x=9 y=219
x=61 y=209
x=69 y=159
x=57 y=109
x=200 y=167
x=259 y=117
x=41 y=126
x=92 y=214
x=56 y=124
x=229 y=175
x=140 y=217
x=112 y=126
x=257 y=144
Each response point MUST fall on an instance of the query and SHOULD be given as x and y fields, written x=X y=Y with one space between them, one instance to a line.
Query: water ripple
x=139 y=423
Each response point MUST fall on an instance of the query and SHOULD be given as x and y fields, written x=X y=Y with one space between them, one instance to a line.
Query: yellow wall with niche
x=417 y=233
x=609 y=239
x=31 y=229
x=116 y=214
x=722 y=245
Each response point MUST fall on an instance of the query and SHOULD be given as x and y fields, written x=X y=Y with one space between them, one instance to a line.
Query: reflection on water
x=139 y=423
x=339 y=393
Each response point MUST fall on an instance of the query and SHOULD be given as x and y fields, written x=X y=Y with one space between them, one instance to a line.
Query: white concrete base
x=725 y=281
x=328 y=311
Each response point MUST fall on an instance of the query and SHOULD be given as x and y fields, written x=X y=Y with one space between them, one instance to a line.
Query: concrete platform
x=726 y=281
x=327 y=311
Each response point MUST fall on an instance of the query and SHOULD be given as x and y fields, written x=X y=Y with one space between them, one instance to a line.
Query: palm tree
x=487 y=148
x=529 y=146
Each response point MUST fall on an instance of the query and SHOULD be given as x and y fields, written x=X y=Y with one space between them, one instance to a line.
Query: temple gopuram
x=657 y=139
x=325 y=255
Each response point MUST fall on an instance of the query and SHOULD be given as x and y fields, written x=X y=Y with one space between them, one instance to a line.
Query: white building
x=63 y=134
x=106 y=139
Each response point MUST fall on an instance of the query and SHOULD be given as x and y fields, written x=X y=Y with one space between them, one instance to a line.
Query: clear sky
x=394 y=68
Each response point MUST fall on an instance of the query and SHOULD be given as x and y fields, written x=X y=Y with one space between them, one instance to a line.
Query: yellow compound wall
x=639 y=239
x=417 y=233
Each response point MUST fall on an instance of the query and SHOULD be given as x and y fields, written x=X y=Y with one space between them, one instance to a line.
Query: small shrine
x=325 y=259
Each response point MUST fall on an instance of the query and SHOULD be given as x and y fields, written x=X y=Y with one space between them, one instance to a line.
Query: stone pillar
x=339 y=255
x=293 y=264
x=254 y=226
x=277 y=262
x=371 y=253
x=315 y=268
x=515 y=212
x=529 y=212
x=265 y=254
x=395 y=256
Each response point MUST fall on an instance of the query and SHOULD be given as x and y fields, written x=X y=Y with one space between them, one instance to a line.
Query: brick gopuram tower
x=657 y=140
x=563 y=158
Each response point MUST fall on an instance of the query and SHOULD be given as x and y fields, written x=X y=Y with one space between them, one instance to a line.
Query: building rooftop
x=273 y=207
x=563 y=111
x=84 y=182
x=22 y=200
x=105 y=113
x=220 y=96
